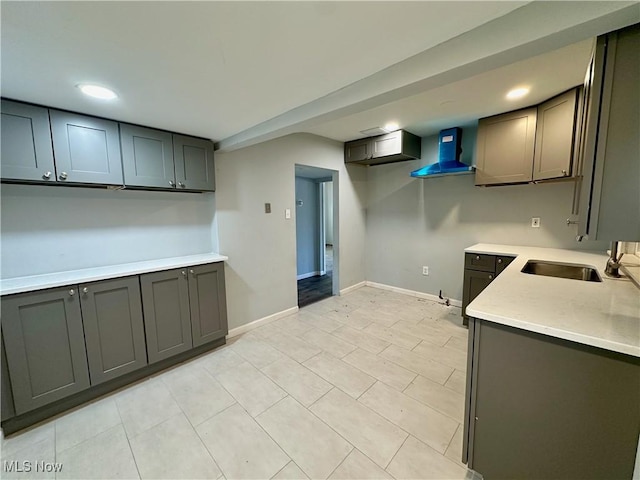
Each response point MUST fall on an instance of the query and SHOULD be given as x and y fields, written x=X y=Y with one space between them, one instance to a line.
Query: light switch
x=287 y=213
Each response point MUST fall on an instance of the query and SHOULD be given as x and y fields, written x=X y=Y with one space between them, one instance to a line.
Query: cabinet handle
x=477 y=257
x=490 y=277
x=72 y=292
x=499 y=260
x=184 y=273
x=46 y=176
x=572 y=222
x=172 y=183
x=181 y=185
x=85 y=290
x=192 y=272
x=63 y=176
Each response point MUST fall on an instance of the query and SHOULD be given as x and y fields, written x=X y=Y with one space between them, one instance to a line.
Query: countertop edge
x=10 y=286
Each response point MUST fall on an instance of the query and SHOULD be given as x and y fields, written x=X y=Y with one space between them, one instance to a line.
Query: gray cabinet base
x=23 y=421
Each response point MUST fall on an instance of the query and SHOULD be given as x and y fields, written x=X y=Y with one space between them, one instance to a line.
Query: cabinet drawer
x=479 y=261
x=502 y=262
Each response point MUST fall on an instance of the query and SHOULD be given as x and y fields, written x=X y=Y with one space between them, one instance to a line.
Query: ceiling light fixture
x=97 y=91
x=517 y=93
x=391 y=127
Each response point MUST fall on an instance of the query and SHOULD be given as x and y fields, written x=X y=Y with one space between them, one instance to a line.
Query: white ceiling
x=243 y=72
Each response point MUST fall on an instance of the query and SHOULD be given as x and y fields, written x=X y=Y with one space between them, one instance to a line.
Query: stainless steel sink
x=562 y=270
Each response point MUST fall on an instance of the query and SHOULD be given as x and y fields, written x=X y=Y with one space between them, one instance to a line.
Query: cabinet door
x=555 y=134
x=114 y=330
x=358 y=150
x=505 y=148
x=147 y=157
x=207 y=299
x=87 y=149
x=26 y=143
x=502 y=262
x=389 y=144
x=45 y=346
x=7 y=410
x=165 y=298
x=474 y=283
x=194 y=163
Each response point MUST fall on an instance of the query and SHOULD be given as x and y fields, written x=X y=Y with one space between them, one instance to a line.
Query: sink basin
x=562 y=270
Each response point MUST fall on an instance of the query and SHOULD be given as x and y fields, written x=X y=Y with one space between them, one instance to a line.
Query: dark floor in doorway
x=313 y=289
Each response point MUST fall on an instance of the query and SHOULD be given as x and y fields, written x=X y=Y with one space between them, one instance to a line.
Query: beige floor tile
x=396 y=337
x=423 y=422
x=318 y=308
x=417 y=363
x=298 y=381
x=310 y=443
x=107 y=455
x=358 y=466
x=35 y=461
x=379 y=317
x=145 y=405
x=25 y=438
x=290 y=472
x=437 y=396
x=79 y=425
x=172 y=450
x=457 y=382
x=240 y=447
x=267 y=330
x=423 y=331
x=349 y=379
x=417 y=460
x=329 y=343
x=320 y=322
x=198 y=395
x=381 y=368
x=292 y=325
x=256 y=351
x=448 y=356
x=454 y=451
x=360 y=339
x=458 y=343
x=293 y=347
x=221 y=360
x=254 y=391
x=369 y=432
x=357 y=318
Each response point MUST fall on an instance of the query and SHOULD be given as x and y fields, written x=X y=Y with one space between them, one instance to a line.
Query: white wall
x=48 y=229
x=261 y=271
x=307 y=226
x=415 y=222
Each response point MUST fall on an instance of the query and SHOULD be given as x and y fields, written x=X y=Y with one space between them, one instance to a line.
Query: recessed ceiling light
x=391 y=127
x=97 y=91
x=517 y=93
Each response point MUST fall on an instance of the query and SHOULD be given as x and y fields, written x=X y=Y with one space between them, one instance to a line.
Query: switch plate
x=425 y=270
x=287 y=213
x=535 y=222
x=267 y=208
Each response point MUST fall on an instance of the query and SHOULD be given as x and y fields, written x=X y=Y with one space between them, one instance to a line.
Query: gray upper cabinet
x=113 y=327
x=505 y=148
x=358 y=150
x=194 y=167
x=87 y=149
x=147 y=157
x=27 y=153
x=392 y=147
x=609 y=205
x=207 y=299
x=555 y=137
x=45 y=348
x=165 y=298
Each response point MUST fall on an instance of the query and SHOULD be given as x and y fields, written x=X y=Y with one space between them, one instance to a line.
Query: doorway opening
x=316 y=233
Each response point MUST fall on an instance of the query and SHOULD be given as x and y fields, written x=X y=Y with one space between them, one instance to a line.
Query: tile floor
x=367 y=385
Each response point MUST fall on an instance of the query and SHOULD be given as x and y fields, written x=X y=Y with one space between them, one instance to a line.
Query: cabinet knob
x=85 y=290
x=499 y=260
x=181 y=185
x=490 y=277
x=46 y=176
x=191 y=271
x=564 y=173
x=184 y=273
x=477 y=257
x=72 y=292
x=572 y=222
x=172 y=183
x=63 y=176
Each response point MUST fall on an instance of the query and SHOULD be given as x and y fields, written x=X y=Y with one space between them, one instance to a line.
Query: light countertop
x=59 y=279
x=601 y=314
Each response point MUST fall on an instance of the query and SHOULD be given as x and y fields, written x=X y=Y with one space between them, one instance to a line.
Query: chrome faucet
x=613 y=264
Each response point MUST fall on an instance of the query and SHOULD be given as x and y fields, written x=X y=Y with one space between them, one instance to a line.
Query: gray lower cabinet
x=7 y=409
x=45 y=348
x=541 y=407
x=165 y=298
x=207 y=300
x=194 y=167
x=87 y=149
x=147 y=157
x=113 y=327
x=27 y=153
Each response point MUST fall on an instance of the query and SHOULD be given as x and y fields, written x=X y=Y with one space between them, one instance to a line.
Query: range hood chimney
x=450 y=148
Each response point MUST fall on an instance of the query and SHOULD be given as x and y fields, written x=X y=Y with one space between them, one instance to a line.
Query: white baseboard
x=413 y=293
x=261 y=321
x=350 y=289
x=307 y=275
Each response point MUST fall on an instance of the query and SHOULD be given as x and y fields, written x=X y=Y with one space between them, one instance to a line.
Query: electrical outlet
x=267 y=208
x=425 y=270
x=535 y=222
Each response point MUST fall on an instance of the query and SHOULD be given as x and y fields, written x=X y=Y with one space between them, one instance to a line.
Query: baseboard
x=261 y=321
x=308 y=275
x=350 y=289
x=412 y=293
